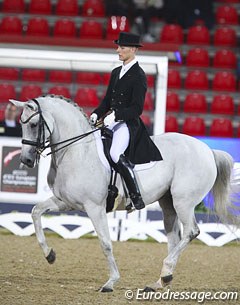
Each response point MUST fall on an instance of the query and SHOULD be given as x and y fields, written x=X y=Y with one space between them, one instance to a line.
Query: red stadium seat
x=13 y=6
x=196 y=80
x=38 y=26
x=173 y=102
x=9 y=73
x=171 y=33
x=86 y=97
x=11 y=25
x=60 y=90
x=226 y=14
x=91 y=29
x=67 y=7
x=197 y=57
x=115 y=25
x=29 y=92
x=148 y=103
x=224 y=81
x=225 y=59
x=7 y=91
x=58 y=76
x=171 y=124
x=199 y=35
x=238 y=131
x=222 y=104
x=195 y=102
x=34 y=75
x=150 y=80
x=93 y=8
x=146 y=120
x=225 y=36
x=174 y=79
x=2 y=114
x=65 y=28
x=106 y=78
x=43 y=7
x=194 y=126
x=93 y=78
x=221 y=127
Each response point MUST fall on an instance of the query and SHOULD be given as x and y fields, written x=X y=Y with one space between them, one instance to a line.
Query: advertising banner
x=13 y=178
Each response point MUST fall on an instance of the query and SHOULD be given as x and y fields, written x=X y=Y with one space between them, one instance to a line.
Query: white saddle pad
x=104 y=160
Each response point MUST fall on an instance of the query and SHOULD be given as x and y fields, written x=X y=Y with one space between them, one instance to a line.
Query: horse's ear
x=17 y=103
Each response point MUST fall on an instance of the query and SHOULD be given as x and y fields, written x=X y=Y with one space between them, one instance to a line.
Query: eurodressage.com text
x=199 y=296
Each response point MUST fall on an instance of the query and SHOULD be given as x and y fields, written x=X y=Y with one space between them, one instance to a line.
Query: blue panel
x=230 y=145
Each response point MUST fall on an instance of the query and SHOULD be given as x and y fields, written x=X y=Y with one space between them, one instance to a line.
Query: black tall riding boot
x=126 y=171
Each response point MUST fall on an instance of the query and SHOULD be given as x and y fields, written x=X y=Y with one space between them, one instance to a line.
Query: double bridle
x=41 y=138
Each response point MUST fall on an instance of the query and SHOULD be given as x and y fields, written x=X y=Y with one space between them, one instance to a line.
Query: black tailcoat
x=126 y=96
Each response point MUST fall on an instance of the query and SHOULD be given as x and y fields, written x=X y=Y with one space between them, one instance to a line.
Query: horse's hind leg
x=171 y=221
x=185 y=212
x=50 y=205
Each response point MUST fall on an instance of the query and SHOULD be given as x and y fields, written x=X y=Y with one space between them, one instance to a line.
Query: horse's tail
x=223 y=190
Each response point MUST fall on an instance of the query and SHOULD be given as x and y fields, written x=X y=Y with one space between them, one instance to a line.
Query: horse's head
x=36 y=129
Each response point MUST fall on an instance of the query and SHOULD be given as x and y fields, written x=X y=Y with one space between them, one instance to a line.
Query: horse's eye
x=33 y=125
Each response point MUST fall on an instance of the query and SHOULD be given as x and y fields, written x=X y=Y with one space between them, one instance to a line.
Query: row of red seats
x=89 y=8
x=85 y=97
x=225 y=14
x=196 y=126
x=198 y=80
x=197 y=103
x=60 y=76
x=199 y=35
x=67 y=28
x=199 y=57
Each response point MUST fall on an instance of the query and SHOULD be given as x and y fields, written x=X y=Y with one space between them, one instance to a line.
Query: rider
x=124 y=99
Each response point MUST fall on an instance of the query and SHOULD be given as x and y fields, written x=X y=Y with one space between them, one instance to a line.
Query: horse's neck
x=70 y=123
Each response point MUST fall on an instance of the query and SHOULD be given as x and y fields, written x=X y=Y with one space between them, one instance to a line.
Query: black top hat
x=128 y=39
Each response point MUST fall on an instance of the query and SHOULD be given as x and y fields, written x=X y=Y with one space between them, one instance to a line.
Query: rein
x=40 y=146
x=73 y=140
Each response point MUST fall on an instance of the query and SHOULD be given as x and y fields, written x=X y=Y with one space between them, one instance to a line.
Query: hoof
x=51 y=257
x=149 y=289
x=105 y=289
x=166 y=280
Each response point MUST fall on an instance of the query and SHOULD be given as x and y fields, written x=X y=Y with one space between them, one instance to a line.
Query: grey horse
x=79 y=180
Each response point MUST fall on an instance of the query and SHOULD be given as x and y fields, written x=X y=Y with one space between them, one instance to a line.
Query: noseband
x=40 y=142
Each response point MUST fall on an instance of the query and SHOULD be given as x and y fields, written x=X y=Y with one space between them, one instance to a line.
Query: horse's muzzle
x=28 y=162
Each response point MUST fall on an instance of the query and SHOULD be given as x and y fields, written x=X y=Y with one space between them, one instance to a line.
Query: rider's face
x=126 y=54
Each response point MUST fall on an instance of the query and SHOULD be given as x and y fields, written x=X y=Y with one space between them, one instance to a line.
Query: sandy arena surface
x=80 y=269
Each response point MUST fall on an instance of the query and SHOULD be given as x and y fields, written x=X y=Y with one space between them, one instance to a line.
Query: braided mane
x=67 y=100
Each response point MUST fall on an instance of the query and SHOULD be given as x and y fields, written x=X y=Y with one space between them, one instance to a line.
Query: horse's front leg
x=50 y=205
x=98 y=216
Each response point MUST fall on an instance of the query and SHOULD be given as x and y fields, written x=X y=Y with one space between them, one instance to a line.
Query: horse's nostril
x=29 y=161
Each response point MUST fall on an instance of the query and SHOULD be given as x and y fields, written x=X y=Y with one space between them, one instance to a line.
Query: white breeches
x=120 y=141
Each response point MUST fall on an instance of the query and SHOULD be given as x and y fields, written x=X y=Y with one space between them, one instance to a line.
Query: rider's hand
x=93 y=119
x=109 y=119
